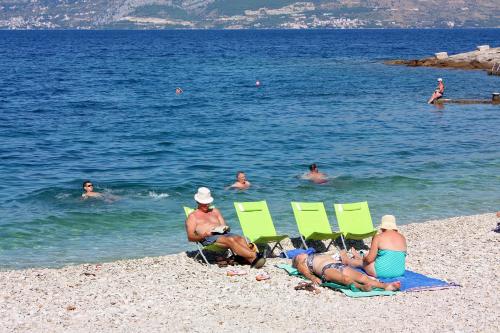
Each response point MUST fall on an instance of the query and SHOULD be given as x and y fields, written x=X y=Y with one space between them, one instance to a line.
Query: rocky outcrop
x=484 y=58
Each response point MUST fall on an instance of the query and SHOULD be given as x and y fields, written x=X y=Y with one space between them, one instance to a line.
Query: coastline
x=472 y=60
x=174 y=292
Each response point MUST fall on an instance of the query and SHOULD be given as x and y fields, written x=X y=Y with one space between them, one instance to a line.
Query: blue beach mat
x=411 y=281
x=295 y=252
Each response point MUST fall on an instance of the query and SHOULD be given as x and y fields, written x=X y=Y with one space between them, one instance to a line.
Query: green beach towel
x=350 y=291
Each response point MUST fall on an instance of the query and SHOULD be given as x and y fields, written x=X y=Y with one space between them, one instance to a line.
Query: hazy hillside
x=254 y=14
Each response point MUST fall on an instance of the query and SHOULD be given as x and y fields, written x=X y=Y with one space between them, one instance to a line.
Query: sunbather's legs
x=238 y=245
x=336 y=276
x=370 y=269
x=435 y=95
x=357 y=261
x=365 y=280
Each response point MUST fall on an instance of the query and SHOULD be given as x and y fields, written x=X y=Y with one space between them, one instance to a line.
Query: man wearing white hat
x=207 y=226
x=438 y=93
x=387 y=255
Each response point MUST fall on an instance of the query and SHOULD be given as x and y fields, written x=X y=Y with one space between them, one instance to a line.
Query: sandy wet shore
x=176 y=293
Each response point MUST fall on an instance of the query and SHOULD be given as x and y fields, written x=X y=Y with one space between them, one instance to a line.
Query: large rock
x=484 y=58
x=441 y=55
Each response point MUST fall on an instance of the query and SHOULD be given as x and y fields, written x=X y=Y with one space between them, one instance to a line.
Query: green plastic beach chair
x=355 y=221
x=211 y=248
x=257 y=224
x=312 y=222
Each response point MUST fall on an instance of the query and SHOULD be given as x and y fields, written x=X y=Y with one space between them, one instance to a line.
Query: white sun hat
x=203 y=196
x=440 y=79
x=388 y=223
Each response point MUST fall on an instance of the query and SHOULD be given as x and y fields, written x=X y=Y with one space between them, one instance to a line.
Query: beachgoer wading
x=315 y=175
x=241 y=181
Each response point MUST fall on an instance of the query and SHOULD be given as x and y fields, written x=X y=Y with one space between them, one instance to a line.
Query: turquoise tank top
x=390 y=264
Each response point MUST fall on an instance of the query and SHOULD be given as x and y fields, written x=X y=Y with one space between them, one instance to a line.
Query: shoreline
x=175 y=292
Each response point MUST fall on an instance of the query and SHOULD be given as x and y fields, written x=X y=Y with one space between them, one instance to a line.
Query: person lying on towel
x=207 y=226
x=387 y=255
x=321 y=268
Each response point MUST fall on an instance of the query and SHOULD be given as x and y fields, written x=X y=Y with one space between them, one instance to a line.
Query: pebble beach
x=177 y=293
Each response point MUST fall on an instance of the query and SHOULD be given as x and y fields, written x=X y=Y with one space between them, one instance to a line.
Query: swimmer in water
x=88 y=189
x=315 y=175
x=257 y=83
x=178 y=91
x=241 y=181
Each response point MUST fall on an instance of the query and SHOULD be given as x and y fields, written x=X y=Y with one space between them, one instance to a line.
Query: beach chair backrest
x=311 y=217
x=354 y=217
x=188 y=210
x=255 y=219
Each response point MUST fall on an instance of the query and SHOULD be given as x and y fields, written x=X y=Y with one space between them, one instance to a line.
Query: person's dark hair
x=85 y=183
x=294 y=262
x=313 y=166
x=238 y=173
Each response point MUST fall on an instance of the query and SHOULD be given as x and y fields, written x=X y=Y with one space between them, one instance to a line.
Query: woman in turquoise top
x=387 y=255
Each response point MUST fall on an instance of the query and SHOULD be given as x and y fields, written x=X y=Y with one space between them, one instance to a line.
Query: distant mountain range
x=252 y=14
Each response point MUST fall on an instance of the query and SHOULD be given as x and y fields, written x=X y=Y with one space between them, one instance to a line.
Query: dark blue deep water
x=101 y=105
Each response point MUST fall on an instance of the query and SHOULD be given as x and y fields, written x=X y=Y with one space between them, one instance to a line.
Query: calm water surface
x=101 y=105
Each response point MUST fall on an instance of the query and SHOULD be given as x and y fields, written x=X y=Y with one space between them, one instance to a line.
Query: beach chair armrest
x=360 y=236
x=211 y=248
x=269 y=239
x=323 y=236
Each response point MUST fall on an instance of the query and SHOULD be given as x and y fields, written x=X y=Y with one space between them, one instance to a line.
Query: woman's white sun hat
x=203 y=196
x=440 y=79
x=388 y=223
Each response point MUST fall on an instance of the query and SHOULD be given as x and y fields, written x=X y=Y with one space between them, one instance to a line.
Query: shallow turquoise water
x=101 y=105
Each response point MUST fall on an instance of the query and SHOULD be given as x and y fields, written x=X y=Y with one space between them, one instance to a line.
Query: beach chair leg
x=200 y=251
x=278 y=244
x=329 y=245
x=343 y=242
x=272 y=249
x=303 y=242
x=204 y=258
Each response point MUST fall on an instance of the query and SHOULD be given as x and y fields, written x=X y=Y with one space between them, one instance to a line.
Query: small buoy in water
x=257 y=83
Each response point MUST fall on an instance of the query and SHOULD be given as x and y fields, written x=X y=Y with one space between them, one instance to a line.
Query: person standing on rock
x=438 y=93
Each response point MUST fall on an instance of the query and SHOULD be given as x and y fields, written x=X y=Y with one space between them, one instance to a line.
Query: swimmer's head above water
x=88 y=189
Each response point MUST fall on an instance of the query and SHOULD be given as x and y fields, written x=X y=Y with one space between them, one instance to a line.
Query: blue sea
x=101 y=105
